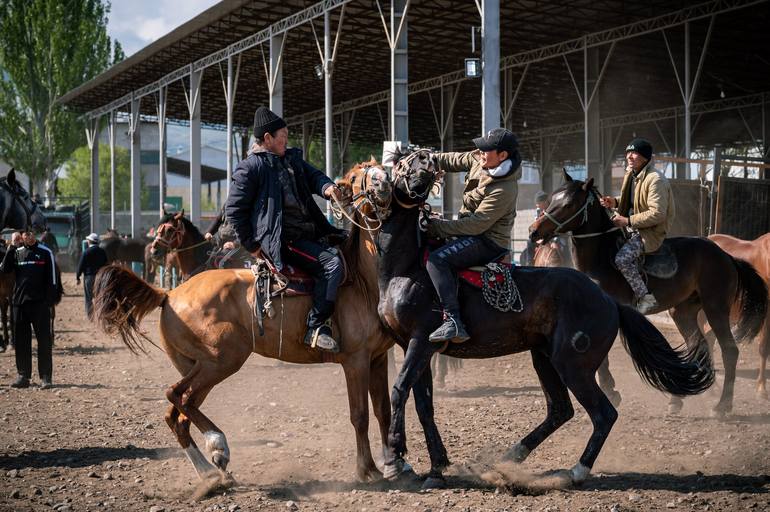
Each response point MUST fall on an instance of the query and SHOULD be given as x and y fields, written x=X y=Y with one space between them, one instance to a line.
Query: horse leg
x=180 y=426
x=558 y=406
x=718 y=316
x=416 y=359
x=423 y=402
x=357 y=370
x=764 y=350
x=603 y=415
x=685 y=316
x=607 y=383
x=378 y=391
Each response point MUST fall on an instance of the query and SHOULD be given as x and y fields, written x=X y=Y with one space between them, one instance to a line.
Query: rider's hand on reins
x=333 y=191
x=608 y=202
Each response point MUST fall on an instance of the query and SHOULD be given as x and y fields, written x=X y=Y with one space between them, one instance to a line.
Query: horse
x=207 y=329
x=552 y=253
x=19 y=210
x=559 y=315
x=756 y=252
x=705 y=276
x=176 y=235
x=123 y=250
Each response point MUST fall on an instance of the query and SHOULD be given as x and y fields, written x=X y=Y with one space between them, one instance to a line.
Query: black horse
x=704 y=277
x=19 y=211
x=566 y=322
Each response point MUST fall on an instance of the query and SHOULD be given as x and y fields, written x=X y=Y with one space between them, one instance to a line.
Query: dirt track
x=98 y=441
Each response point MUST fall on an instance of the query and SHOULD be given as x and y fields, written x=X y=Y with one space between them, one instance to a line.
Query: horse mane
x=188 y=225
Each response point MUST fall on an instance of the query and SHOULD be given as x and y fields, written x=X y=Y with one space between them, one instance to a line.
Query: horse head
x=169 y=235
x=414 y=176
x=568 y=211
x=367 y=190
x=21 y=211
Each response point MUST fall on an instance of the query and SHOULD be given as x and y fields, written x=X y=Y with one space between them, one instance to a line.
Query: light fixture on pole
x=472 y=68
x=319 y=71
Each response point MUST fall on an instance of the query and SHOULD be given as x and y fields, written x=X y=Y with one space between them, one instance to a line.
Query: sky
x=137 y=23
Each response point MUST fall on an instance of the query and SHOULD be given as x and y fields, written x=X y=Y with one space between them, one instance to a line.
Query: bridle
x=173 y=242
x=365 y=195
x=17 y=197
x=591 y=198
x=403 y=170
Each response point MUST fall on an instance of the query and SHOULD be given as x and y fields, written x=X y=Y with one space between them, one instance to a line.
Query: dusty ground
x=98 y=441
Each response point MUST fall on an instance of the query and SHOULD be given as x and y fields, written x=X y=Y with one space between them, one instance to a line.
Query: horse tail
x=679 y=371
x=752 y=297
x=121 y=300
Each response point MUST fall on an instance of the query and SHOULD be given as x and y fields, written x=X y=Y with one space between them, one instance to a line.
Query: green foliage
x=77 y=183
x=355 y=153
x=47 y=48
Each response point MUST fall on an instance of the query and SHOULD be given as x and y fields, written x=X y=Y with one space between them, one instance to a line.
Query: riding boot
x=319 y=334
x=647 y=304
x=452 y=329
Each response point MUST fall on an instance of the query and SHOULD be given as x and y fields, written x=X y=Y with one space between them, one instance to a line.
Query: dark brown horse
x=208 y=330
x=559 y=315
x=707 y=278
x=756 y=252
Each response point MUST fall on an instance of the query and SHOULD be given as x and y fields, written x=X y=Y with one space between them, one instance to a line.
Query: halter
x=176 y=238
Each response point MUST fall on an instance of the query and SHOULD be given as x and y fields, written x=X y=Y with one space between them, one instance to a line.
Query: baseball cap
x=498 y=139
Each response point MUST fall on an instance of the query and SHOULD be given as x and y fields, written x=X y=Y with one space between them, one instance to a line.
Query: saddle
x=298 y=282
x=472 y=275
x=661 y=263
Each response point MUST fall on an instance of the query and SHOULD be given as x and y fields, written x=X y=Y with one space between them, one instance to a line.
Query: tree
x=77 y=182
x=47 y=48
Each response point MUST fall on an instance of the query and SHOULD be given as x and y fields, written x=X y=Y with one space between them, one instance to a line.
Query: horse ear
x=179 y=215
x=567 y=177
x=588 y=185
x=11 y=176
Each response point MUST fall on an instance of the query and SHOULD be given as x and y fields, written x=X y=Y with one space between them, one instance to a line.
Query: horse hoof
x=720 y=412
x=397 y=470
x=579 y=473
x=369 y=475
x=675 y=407
x=517 y=454
x=220 y=460
x=434 y=482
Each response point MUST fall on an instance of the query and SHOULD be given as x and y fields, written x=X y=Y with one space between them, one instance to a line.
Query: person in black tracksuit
x=92 y=259
x=34 y=293
x=272 y=211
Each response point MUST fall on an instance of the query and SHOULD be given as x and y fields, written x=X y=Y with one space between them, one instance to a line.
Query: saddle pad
x=472 y=275
x=302 y=283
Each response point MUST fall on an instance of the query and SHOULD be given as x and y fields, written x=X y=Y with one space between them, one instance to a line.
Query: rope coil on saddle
x=503 y=296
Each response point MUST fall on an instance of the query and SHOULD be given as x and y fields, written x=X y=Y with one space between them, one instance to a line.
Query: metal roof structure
x=550 y=55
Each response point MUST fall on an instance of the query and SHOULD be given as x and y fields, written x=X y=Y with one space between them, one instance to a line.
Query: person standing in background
x=92 y=259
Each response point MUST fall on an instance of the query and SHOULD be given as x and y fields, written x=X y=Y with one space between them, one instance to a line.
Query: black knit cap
x=641 y=146
x=266 y=121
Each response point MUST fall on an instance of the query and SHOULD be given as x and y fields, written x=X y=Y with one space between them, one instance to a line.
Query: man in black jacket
x=272 y=210
x=92 y=259
x=33 y=294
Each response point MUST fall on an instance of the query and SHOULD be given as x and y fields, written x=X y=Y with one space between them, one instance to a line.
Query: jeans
x=461 y=253
x=38 y=316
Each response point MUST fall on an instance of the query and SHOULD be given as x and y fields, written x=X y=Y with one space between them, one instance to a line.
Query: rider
x=482 y=231
x=273 y=213
x=646 y=208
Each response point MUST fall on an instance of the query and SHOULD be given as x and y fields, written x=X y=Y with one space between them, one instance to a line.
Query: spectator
x=34 y=293
x=92 y=259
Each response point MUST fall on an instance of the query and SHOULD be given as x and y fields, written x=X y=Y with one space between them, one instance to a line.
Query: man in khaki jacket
x=646 y=207
x=482 y=231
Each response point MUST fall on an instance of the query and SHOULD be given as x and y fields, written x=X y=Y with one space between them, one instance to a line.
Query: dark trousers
x=88 y=292
x=26 y=316
x=325 y=265
x=459 y=254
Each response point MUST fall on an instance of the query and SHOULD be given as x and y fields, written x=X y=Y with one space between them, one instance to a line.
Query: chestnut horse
x=208 y=330
x=179 y=238
x=707 y=278
x=559 y=315
x=756 y=252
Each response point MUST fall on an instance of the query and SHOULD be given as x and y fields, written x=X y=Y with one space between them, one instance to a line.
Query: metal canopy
x=542 y=41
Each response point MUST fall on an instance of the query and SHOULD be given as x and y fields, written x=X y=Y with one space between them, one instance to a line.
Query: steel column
x=194 y=106
x=328 y=105
x=490 y=65
x=399 y=72
x=231 y=85
x=111 y=133
x=134 y=133
x=162 y=96
x=276 y=73
x=92 y=136
x=592 y=132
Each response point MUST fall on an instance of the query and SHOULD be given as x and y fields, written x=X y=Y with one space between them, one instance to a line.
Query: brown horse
x=707 y=278
x=552 y=254
x=178 y=237
x=756 y=252
x=208 y=330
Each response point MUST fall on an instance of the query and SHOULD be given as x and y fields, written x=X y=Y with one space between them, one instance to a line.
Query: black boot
x=21 y=382
x=451 y=330
x=321 y=337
